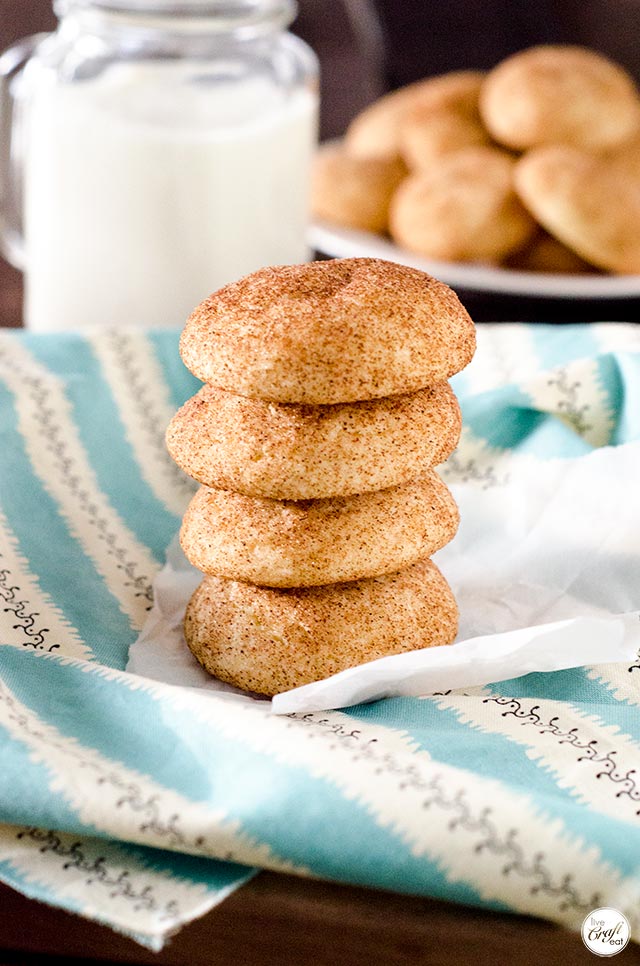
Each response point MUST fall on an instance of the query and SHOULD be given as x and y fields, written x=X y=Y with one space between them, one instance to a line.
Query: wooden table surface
x=278 y=920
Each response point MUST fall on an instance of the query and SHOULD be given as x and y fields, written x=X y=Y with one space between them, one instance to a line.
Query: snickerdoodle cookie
x=329 y=332
x=583 y=201
x=288 y=451
x=267 y=640
x=464 y=208
x=556 y=94
x=544 y=253
x=376 y=131
x=626 y=158
x=354 y=192
x=448 y=120
x=311 y=542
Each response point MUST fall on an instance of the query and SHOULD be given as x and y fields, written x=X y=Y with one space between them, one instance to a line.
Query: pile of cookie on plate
x=534 y=165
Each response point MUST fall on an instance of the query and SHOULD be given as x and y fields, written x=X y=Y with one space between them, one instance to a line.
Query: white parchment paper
x=545 y=568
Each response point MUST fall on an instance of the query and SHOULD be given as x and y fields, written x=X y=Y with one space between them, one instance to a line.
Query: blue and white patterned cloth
x=141 y=805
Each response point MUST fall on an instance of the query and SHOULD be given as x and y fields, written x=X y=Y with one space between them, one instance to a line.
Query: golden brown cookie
x=447 y=121
x=375 y=132
x=544 y=253
x=329 y=332
x=584 y=202
x=559 y=94
x=267 y=641
x=291 y=452
x=463 y=209
x=626 y=159
x=354 y=192
x=312 y=542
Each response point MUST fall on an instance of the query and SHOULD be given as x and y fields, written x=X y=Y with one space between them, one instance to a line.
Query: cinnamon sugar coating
x=287 y=451
x=449 y=120
x=325 y=409
x=355 y=192
x=267 y=641
x=377 y=130
x=585 y=202
x=306 y=543
x=560 y=94
x=329 y=332
x=462 y=208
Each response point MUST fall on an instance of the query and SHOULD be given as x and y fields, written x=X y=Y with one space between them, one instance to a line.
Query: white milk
x=145 y=191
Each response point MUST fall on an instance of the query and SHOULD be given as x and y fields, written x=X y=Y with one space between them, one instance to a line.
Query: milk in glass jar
x=158 y=151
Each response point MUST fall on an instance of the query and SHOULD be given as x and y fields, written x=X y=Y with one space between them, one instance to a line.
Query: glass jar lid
x=222 y=8
x=226 y=12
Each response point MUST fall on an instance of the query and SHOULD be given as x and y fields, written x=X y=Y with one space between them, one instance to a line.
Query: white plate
x=347 y=243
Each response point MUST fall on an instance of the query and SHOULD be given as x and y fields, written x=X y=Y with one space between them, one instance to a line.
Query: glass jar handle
x=12 y=63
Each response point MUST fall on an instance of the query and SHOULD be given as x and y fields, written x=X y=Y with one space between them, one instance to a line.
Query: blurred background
x=369 y=46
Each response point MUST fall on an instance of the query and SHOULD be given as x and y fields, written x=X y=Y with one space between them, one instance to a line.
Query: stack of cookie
x=325 y=409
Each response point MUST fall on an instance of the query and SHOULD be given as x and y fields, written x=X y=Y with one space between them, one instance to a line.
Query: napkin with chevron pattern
x=143 y=804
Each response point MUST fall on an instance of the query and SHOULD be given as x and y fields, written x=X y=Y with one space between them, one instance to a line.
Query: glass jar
x=158 y=150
